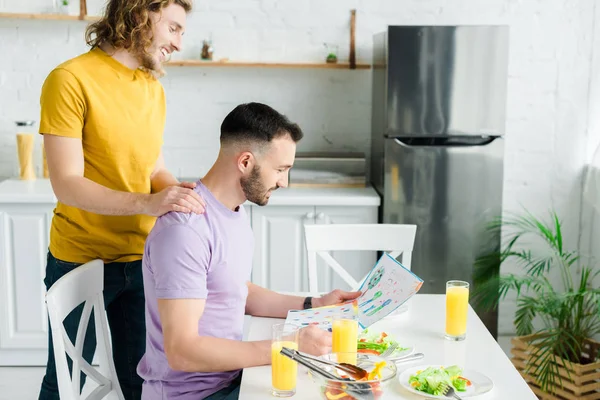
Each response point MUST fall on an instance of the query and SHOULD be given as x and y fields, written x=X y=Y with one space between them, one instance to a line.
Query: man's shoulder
x=176 y=236
x=179 y=223
x=77 y=64
x=75 y=71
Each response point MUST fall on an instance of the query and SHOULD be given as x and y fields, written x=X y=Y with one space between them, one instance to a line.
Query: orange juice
x=283 y=369
x=457 y=304
x=344 y=339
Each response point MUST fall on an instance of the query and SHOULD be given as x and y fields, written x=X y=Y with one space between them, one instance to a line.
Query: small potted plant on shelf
x=62 y=6
x=555 y=323
x=332 y=50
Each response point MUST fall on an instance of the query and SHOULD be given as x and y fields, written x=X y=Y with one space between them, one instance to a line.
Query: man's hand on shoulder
x=180 y=198
x=335 y=297
x=188 y=185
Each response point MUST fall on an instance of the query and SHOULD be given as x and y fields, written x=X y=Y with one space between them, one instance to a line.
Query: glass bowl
x=369 y=389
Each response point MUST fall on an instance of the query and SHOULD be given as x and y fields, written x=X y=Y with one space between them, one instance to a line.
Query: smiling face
x=271 y=172
x=168 y=27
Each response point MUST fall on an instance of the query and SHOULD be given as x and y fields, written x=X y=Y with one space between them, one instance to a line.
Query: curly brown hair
x=126 y=24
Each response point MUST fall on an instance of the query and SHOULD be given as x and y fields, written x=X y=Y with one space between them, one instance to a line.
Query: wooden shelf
x=48 y=16
x=201 y=63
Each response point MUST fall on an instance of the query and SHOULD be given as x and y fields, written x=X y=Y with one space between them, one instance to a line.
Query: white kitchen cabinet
x=280 y=252
x=24 y=232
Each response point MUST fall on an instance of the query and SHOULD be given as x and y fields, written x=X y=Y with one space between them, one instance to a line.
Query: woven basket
x=583 y=382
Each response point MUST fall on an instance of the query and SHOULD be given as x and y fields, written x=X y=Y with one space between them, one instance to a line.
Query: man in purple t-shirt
x=197 y=269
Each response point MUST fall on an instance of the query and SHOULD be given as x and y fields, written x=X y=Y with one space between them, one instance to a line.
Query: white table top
x=422 y=326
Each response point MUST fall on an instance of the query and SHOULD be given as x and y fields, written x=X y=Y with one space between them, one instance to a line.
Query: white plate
x=406 y=351
x=479 y=383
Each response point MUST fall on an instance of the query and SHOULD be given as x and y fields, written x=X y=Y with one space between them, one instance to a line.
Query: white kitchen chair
x=321 y=239
x=82 y=285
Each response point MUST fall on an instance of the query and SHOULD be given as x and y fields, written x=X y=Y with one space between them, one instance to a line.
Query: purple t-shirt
x=207 y=256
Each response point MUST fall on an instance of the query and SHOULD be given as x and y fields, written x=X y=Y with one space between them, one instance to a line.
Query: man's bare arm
x=190 y=352
x=66 y=167
x=263 y=302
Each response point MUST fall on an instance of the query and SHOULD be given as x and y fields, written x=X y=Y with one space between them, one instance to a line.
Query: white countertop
x=422 y=326
x=40 y=191
x=325 y=197
x=35 y=191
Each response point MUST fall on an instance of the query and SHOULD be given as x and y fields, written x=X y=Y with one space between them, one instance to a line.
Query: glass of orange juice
x=457 y=306
x=344 y=332
x=283 y=369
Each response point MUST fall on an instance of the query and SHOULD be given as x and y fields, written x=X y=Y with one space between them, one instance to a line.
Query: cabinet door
x=24 y=231
x=357 y=263
x=280 y=252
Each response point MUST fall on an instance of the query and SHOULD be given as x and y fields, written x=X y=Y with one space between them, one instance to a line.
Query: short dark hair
x=259 y=123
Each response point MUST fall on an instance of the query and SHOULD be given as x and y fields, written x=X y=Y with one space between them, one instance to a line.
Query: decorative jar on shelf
x=25 y=138
x=207 y=50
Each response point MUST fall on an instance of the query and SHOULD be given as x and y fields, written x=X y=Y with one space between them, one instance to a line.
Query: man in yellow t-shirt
x=102 y=117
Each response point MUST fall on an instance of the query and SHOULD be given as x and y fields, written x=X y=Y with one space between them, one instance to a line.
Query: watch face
x=307 y=303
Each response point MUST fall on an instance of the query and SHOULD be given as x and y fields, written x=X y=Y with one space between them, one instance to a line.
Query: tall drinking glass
x=457 y=306
x=344 y=335
x=283 y=369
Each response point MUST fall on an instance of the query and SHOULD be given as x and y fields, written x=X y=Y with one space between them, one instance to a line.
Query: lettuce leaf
x=376 y=341
x=430 y=380
x=459 y=384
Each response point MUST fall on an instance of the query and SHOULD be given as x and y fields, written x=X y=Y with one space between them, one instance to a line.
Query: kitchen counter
x=325 y=197
x=18 y=191
x=40 y=191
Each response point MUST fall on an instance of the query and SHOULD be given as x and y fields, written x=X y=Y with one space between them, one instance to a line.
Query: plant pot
x=331 y=59
x=583 y=382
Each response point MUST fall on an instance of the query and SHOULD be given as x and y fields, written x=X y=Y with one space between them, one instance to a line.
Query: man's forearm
x=210 y=354
x=80 y=192
x=162 y=179
x=262 y=302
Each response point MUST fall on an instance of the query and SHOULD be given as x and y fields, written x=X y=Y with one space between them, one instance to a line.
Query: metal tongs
x=358 y=390
x=356 y=372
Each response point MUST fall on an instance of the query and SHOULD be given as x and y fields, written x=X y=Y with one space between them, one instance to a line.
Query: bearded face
x=255 y=190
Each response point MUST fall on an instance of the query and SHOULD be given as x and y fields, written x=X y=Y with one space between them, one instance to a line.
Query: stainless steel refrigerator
x=437 y=149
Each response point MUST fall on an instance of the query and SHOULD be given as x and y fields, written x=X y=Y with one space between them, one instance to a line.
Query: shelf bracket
x=82 y=9
x=352 y=39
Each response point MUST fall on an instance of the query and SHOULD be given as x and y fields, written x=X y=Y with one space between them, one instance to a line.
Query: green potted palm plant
x=555 y=322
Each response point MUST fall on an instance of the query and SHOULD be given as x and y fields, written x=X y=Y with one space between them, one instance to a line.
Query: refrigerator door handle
x=445 y=141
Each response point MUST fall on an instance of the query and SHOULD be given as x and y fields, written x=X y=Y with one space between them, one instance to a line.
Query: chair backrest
x=82 y=285
x=321 y=239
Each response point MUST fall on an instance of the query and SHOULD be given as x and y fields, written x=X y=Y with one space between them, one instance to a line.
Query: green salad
x=375 y=343
x=429 y=380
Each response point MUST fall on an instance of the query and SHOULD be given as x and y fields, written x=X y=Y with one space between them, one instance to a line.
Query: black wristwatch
x=307 y=303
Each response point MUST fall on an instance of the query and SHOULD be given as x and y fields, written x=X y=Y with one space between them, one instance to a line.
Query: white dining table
x=421 y=326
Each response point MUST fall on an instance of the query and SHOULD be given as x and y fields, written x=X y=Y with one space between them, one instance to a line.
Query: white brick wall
x=550 y=125
x=590 y=215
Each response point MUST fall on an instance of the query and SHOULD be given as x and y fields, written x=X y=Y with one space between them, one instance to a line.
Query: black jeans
x=125 y=309
x=231 y=392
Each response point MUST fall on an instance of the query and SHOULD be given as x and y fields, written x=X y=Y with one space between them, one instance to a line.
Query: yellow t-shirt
x=119 y=114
